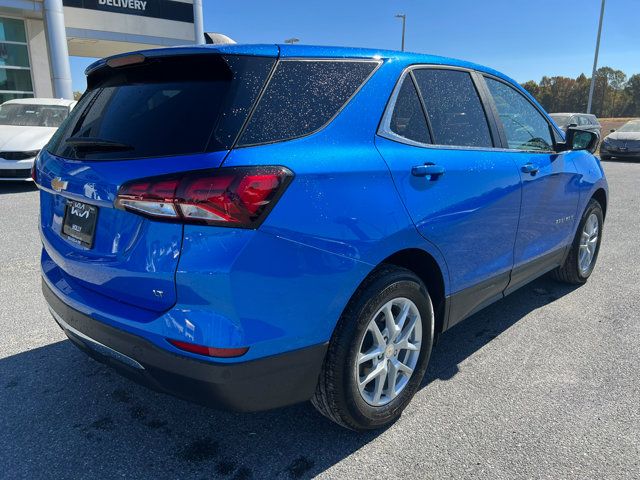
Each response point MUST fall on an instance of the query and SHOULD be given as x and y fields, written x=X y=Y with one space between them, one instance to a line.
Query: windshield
x=29 y=115
x=560 y=119
x=632 y=126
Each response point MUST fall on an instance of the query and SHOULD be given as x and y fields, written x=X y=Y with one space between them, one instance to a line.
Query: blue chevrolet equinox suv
x=255 y=226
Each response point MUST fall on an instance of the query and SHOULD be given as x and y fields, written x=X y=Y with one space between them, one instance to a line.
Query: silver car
x=622 y=143
x=583 y=121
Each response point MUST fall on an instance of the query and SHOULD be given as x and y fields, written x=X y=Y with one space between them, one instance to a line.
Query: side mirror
x=577 y=139
x=612 y=130
x=572 y=125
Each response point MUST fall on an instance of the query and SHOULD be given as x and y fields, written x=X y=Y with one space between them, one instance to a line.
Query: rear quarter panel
x=339 y=218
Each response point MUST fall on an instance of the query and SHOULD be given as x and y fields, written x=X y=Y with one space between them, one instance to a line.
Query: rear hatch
x=143 y=115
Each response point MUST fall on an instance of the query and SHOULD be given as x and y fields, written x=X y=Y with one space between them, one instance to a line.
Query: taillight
x=34 y=174
x=237 y=197
x=208 y=351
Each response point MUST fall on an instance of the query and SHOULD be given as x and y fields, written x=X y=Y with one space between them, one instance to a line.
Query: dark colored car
x=255 y=226
x=583 y=121
x=622 y=143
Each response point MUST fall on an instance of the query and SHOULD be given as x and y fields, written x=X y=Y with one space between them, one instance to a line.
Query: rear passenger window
x=408 y=118
x=453 y=106
x=302 y=96
x=525 y=127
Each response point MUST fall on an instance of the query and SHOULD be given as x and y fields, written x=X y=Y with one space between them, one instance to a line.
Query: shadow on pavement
x=64 y=415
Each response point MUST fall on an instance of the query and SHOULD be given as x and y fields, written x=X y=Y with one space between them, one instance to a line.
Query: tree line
x=614 y=94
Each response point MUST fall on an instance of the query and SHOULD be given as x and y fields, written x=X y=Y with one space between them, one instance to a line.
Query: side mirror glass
x=577 y=139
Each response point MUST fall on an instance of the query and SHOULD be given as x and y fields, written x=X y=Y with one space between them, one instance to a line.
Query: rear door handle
x=427 y=170
x=530 y=168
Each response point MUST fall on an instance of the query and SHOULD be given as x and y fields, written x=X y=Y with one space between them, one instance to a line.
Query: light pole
x=404 y=24
x=595 y=60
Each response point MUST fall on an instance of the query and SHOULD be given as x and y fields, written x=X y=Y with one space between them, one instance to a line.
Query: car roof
x=308 y=51
x=40 y=101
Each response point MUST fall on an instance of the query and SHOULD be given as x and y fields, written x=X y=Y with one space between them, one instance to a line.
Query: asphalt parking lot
x=543 y=384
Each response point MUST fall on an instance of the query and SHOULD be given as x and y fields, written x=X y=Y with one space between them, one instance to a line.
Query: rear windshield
x=31 y=115
x=163 y=107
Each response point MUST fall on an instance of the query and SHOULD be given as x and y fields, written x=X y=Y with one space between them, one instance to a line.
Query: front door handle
x=427 y=170
x=530 y=168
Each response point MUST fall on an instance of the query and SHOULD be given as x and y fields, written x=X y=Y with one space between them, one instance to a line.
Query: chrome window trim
x=384 y=129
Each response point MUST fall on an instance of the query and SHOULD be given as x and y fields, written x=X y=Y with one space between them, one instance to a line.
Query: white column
x=58 y=51
x=198 y=22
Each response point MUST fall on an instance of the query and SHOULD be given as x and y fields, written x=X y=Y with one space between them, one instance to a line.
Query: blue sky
x=524 y=39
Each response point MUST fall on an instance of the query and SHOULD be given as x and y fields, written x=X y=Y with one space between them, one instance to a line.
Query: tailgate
x=132 y=259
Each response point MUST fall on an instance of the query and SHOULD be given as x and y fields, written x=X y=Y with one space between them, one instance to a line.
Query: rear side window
x=525 y=127
x=408 y=118
x=162 y=107
x=302 y=96
x=453 y=107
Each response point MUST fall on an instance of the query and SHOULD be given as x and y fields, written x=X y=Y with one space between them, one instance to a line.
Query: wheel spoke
x=372 y=354
x=402 y=318
x=401 y=367
x=392 y=378
x=380 y=379
x=377 y=334
x=392 y=328
x=376 y=372
x=407 y=331
x=406 y=345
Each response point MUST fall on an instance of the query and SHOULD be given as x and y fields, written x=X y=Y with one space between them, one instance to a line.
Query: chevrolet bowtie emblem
x=58 y=184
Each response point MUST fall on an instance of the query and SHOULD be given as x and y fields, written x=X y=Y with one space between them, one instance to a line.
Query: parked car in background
x=583 y=121
x=26 y=125
x=253 y=226
x=622 y=143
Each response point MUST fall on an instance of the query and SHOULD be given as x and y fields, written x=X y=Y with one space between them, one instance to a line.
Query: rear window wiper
x=93 y=143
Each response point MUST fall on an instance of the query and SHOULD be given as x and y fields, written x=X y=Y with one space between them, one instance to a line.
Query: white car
x=26 y=125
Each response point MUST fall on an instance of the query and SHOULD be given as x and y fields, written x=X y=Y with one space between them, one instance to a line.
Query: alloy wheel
x=389 y=351
x=588 y=243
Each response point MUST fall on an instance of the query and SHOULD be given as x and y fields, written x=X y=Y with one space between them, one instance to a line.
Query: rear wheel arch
x=428 y=270
x=601 y=197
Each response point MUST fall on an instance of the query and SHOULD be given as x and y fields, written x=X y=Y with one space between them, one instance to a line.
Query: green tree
x=614 y=95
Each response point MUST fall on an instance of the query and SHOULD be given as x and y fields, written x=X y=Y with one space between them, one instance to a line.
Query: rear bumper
x=254 y=385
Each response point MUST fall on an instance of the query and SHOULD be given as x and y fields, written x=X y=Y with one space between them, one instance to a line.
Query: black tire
x=570 y=271
x=337 y=395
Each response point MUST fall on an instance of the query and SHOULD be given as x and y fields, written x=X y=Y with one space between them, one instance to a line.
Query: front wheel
x=582 y=257
x=379 y=352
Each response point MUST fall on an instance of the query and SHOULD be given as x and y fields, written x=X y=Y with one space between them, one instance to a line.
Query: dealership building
x=37 y=37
